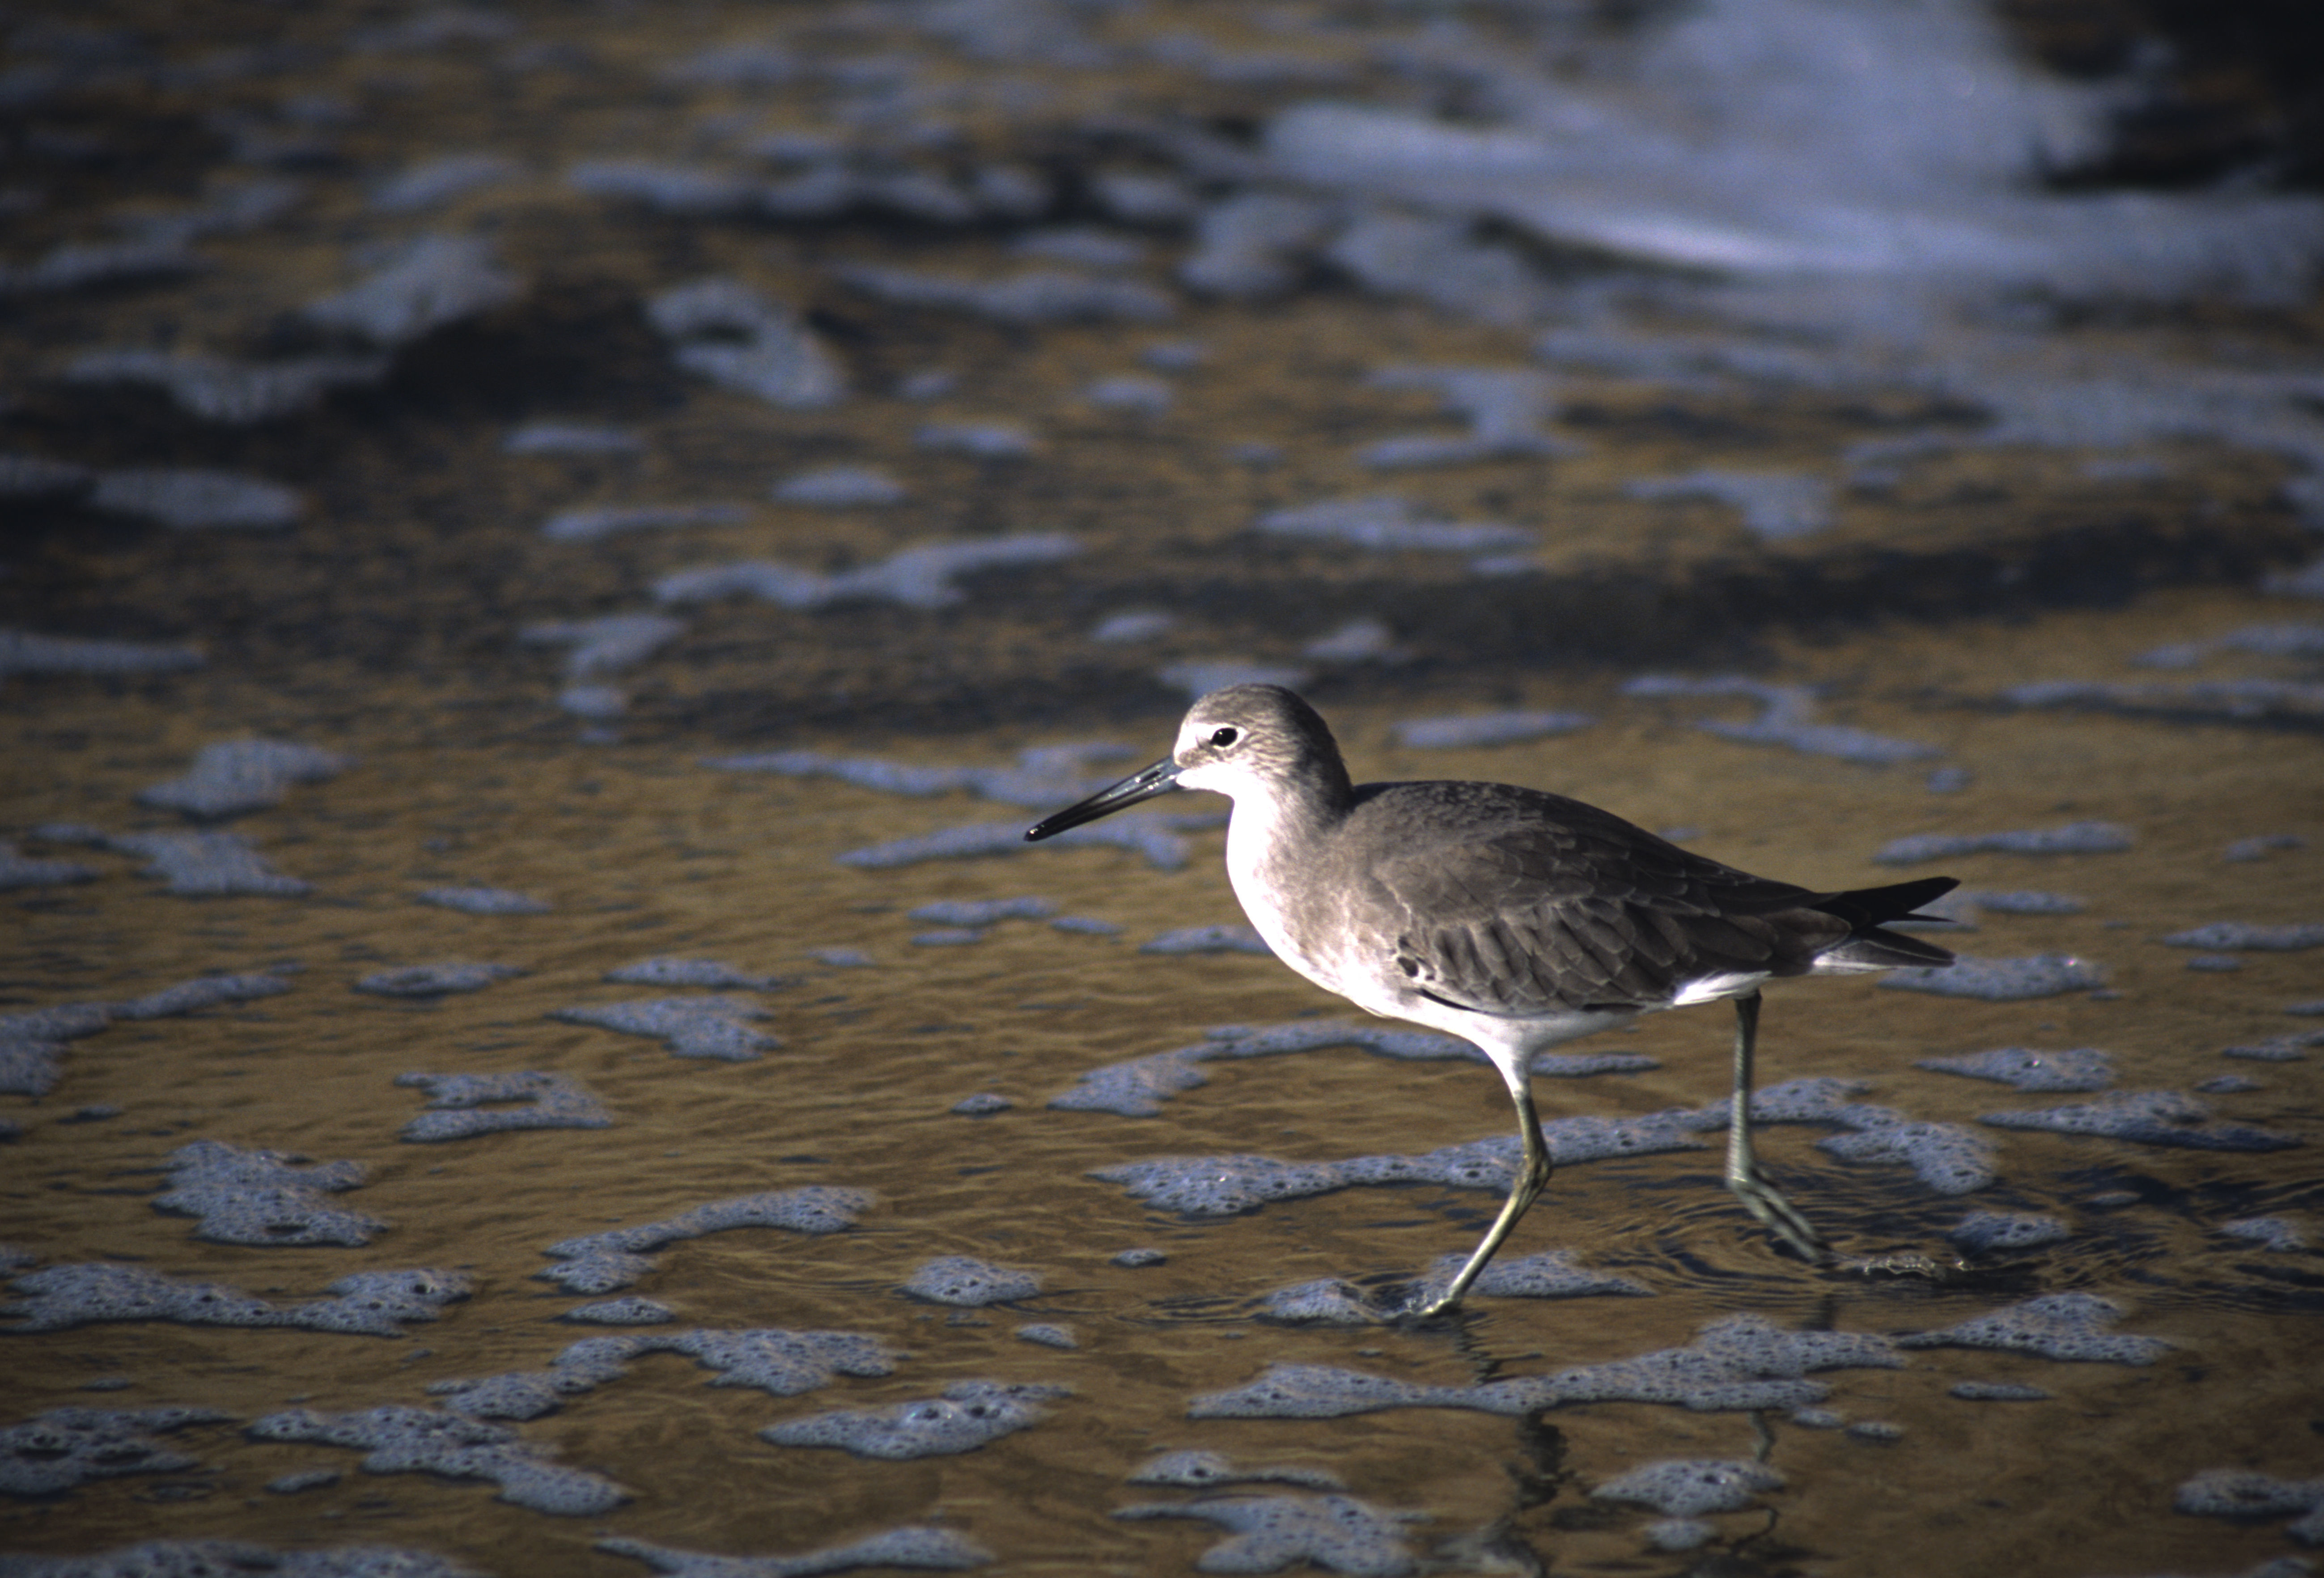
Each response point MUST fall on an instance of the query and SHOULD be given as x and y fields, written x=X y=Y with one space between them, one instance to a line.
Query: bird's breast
x=1293 y=904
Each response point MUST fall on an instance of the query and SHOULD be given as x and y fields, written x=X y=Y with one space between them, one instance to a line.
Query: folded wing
x=1557 y=907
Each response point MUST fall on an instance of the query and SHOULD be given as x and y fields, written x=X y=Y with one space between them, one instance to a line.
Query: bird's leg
x=1761 y=1199
x=1532 y=1175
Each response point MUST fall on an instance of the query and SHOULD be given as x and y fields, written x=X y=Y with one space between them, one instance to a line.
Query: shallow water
x=640 y=851
x=389 y=625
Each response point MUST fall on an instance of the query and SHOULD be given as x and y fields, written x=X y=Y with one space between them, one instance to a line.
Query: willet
x=1511 y=917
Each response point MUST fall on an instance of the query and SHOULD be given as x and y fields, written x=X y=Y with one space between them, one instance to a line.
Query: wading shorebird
x=1511 y=917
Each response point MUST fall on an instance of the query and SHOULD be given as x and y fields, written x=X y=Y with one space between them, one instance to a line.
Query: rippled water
x=641 y=852
x=1862 y=660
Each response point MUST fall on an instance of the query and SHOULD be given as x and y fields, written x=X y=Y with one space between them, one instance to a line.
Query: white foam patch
x=1688 y=1487
x=713 y=1028
x=436 y=979
x=1338 y=1534
x=2246 y=1495
x=687 y=190
x=199 y=501
x=587 y=525
x=605 y=645
x=463 y=1105
x=1786 y=718
x=969 y=1414
x=232 y=777
x=401 y=1439
x=1811 y=138
x=2056 y=1326
x=1475 y=730
x=1385 y=524
x=941 y=1550
x=726 y=332
x=219 y=390
x=1776 y=506
x=62 y=1449
x=24 y=651
x=1742 y=1362
x=549 y=437
x=258 y=1197
x=433 y=182
x=970 y=1283
x=921 y=577
x=1033 y=296
x=839 y=488
x=1042 y=775
x=428 y=282
x=2072 y=838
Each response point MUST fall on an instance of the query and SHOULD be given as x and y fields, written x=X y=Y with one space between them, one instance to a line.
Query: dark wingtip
x=1896 y=902
x=1927 y=890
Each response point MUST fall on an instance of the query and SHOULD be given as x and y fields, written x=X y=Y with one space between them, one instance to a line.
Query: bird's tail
x=1869 y=945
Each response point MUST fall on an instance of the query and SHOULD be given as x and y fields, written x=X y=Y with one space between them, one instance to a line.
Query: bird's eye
x=1222 y=738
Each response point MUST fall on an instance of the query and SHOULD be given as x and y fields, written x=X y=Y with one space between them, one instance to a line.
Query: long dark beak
x=1142 y=785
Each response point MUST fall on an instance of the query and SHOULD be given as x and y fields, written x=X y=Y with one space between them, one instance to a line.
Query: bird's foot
x=1424 y=1303
x=1925 y=1267
x=1779 y=1216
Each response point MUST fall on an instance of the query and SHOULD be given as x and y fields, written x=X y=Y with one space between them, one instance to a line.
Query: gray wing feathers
x=1528 y=919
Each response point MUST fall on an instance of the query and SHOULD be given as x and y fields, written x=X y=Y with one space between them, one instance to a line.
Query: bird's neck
x=1305 y=804
x=1271 y=840
x=1274 y=830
